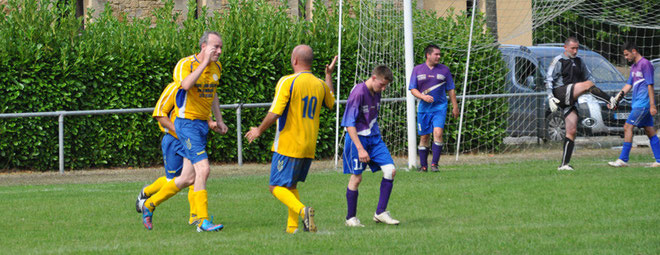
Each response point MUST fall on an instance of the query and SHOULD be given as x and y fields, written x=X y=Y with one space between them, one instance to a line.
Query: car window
x=601 y=69
x=524 y=72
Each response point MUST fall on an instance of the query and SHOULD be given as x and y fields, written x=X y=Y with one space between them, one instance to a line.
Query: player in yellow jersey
x=198 y=76
x=165 y=113
x=297 y=109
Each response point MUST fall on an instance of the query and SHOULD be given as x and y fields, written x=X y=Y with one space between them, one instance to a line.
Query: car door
x=523 y=108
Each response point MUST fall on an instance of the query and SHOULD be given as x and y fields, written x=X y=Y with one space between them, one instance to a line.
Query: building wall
x=514 y=17
x=514 y=22
x=145 y=8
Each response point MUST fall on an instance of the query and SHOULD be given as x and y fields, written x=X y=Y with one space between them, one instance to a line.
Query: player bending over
x=364 y=145
x=643 y=105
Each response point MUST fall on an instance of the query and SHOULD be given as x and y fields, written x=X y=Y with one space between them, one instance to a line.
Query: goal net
x=505 y=113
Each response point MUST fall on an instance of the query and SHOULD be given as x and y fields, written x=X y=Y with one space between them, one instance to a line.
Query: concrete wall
x=513 y=19
x=145 y=8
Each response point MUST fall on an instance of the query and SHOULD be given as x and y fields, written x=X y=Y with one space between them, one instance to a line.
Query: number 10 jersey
x=298 y=101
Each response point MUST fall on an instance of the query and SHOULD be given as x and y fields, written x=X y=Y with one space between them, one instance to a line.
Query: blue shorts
x=376 y=148
x=192 y=134
x=426 y=121
x=287 y=171
x=640 y=117
x=172 y=156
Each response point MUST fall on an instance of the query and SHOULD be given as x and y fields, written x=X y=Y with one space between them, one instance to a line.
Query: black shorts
x=566 y=101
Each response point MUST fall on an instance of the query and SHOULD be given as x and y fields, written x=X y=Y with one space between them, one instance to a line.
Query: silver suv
x=529 y=114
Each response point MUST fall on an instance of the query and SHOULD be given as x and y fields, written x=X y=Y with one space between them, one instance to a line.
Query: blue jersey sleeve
x=630 y=79
x=352 y=110
x=413 y=80
x=647 y=72
x=450 y=82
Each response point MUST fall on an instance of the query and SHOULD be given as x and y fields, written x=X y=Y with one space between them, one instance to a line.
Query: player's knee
x=187 y=180
x=571 y=131
x=424 y=138
x=437 y=134
x=388 y=171
x=650 y=133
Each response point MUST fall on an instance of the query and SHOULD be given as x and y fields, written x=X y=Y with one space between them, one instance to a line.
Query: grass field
x=508 y=208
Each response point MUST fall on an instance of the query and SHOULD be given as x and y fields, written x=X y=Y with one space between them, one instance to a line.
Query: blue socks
x=423 y=156
x=437 y=150
x=351 y=201
x=385 y=191
x=655 y=147
x=625 y=152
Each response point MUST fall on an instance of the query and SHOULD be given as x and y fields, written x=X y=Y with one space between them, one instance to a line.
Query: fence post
x=60 y=135
x=239 y=138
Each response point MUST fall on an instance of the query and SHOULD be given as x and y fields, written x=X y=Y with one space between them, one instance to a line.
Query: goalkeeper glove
x=552 y=102
x=614 y=101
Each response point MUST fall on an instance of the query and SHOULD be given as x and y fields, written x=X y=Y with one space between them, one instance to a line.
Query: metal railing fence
x=239 y=133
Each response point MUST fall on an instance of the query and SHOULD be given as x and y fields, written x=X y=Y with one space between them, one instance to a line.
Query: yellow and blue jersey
x=195 y=104
x=166 y=106
x=298 y=99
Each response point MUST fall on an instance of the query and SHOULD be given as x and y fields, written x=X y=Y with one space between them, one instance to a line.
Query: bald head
x=302 y=56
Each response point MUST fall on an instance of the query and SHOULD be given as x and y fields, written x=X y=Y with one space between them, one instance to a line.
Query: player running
x=165 y=112
x=198 y=76
x=364 y=145
x=296 y=109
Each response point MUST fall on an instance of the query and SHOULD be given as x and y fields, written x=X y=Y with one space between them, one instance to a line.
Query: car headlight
x=587 y=98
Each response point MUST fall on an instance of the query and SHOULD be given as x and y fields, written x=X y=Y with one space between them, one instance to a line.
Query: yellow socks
x=202 y=204
x=287 y=197
x=168 y=190
x=155 y=187
x=292 y=220
x=191 y=201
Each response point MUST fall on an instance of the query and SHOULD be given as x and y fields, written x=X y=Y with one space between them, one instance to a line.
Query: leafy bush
x=48 y=63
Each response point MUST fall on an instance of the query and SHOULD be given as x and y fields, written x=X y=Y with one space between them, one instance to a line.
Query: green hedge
x=48 y=63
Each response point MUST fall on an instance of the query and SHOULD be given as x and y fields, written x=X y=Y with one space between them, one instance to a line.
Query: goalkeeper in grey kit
x=567 y=79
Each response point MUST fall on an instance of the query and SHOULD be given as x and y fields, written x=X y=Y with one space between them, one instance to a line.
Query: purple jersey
x=362 y=111
x=434 y=82
x=641 y=76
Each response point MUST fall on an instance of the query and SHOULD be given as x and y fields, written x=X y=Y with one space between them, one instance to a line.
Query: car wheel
x=555 y=130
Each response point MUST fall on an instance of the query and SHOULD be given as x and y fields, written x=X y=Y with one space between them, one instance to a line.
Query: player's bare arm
x=213 y=125
x=454 y=103
x=329 y=69
x=215 y=107
x=425 y=98
x=255 y=132
x=165 y=122
x=362 y=153
x=192 y=78
x=652 y=109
